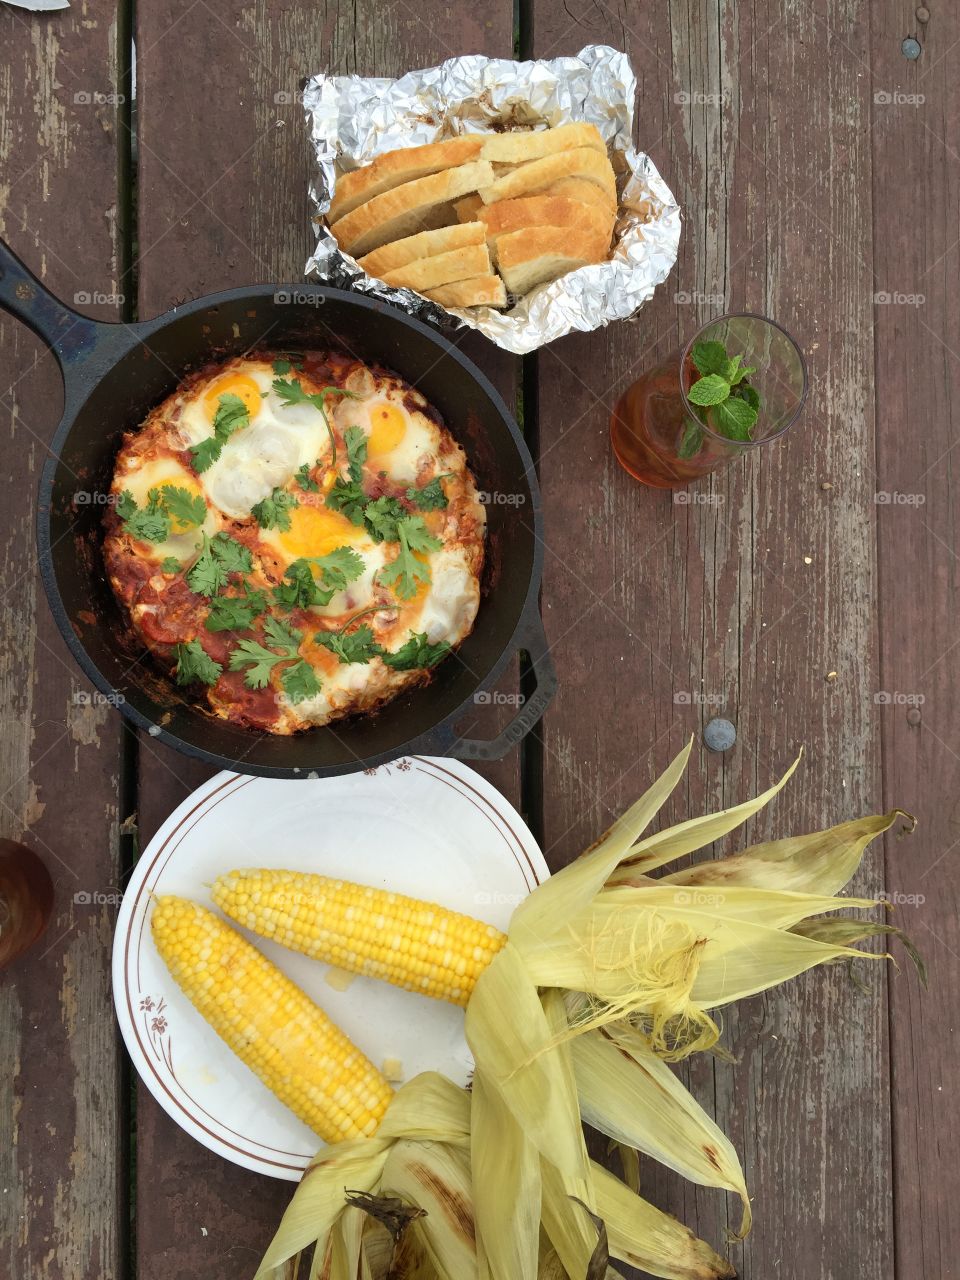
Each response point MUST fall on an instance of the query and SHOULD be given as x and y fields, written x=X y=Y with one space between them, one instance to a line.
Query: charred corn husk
x=416 y=945
x=272 y=1026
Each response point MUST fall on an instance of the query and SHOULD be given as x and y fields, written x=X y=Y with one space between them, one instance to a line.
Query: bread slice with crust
x=530 y=179
x=536 y=255
x=520 y=145
x=583 y=190
x=402 y=211
x=425 y=244
x=545 y=211
x=394 y=168
x=444 y=268
x=480 y=291
x=468 y=209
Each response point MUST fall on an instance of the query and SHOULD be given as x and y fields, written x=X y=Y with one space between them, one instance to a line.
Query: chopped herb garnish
x=314 y=580
x=406 y=572
x=274 y=512
x=431 y=497
x=298 y=681
x=232 y=414
x=150 y=523
x=167 y=506
x=382 y=516
x=170 y=564
x=305 y=480
x=221 y=556
x=126 y=504
x=358 y=646
x=416 y=652
x=186 y=509
x=291 y=391
x=236 y=613
x=194 y=663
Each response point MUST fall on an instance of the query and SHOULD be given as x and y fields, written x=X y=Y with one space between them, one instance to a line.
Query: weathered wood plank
x=224 y=167
x=62 y=1193
x=916 y=179
x=746 y=596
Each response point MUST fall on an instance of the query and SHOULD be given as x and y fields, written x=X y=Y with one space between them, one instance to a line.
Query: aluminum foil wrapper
x=353 y=119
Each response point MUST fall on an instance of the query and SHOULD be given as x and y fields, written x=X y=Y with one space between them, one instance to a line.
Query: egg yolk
x=187 y=482
x=388 y=426
x=233 y=384
x=315 y=531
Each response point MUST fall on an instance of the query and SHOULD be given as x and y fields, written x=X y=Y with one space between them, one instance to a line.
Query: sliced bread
x=530 y=179
x=444 y=268
x=397 y=167
x=545 y=211
x=535 y=255
x=402 y=211
x=468 y=208
x=520 y=145
x=583 y=190
x=481 y=291
x=425 y=244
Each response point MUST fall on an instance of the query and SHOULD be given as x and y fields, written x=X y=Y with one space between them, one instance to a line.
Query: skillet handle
x=22 y=294
x=534 y=641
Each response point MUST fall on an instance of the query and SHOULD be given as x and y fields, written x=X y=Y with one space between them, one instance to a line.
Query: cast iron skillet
x=114 y=374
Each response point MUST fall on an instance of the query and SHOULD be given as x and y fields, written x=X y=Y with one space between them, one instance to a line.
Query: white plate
x=427 y=827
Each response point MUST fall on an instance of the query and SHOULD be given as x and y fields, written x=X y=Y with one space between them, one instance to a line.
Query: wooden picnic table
x=805 y=591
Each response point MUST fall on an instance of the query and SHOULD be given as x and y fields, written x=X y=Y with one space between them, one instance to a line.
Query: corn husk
x=435 y=1178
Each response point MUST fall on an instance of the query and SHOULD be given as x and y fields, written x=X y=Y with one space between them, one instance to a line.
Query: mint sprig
x=730 y=405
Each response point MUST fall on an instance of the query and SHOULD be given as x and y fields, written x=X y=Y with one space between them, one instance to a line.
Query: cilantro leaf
x=339 y=567
x=274 y=512
x=416 y=652
x=300 y=681
x=348 y=498
x=299 y=588
x=231 y=415
x=150 y=523
x=406 y=572
x=235 y=613
x=358 y=646
x=691 y=440
x=431 y=497
x=282 y=366
x=126 y=504
x=194 y=663
x=170 y=564
x=258 y=661
x=205 y=453
x=291 y=392
x=186 y=508
x=304 y=480
x=382 y=516
x=709 y=390
x=284 y=637
x=356 y=442
x=735 y=418
x=221 y=556
x=709 y=357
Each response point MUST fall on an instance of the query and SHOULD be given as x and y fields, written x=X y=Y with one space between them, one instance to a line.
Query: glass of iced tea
x=667 y=430
x=26 y=899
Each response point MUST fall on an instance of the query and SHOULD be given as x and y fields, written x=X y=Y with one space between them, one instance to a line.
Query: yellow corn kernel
x=415 y=945
x=272 y=1026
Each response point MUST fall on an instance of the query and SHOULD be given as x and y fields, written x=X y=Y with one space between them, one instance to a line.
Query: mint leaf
x=416 y=652
x=691 y=440
x=712 y=389
x=749 y=394
x=734 y=418
x=709 y=357
x=194 y=663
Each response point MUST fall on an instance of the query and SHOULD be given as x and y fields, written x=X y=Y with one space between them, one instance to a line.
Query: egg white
x=144 y=475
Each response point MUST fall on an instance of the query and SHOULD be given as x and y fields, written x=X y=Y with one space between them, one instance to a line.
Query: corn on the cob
x=416 y=945
x=270 y=1023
